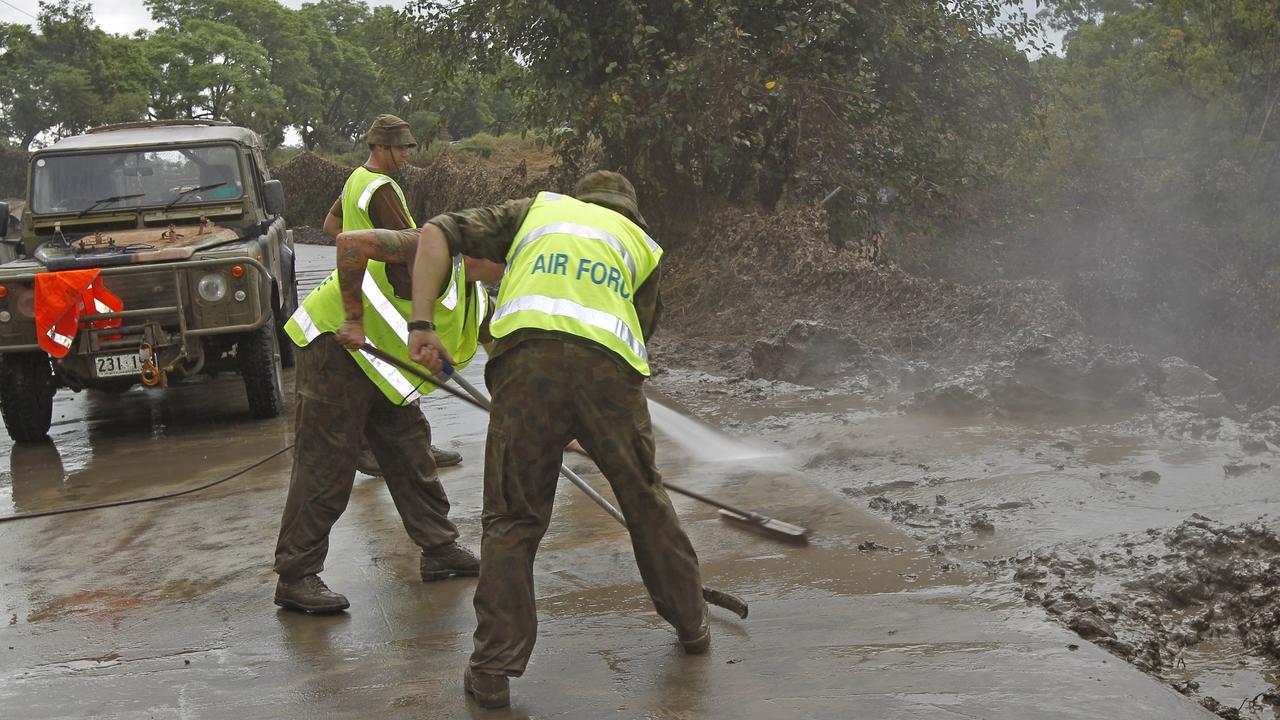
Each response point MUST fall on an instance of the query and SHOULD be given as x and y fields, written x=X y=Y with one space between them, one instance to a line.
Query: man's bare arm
x=332 y=225
x=430 y=268
x=356 y=248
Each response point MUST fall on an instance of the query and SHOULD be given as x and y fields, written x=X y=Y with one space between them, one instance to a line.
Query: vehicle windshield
x=105 y=181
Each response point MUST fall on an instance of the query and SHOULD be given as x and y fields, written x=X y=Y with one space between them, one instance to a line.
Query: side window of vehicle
x=256 y=168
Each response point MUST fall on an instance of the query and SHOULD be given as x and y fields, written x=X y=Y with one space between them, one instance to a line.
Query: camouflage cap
x=389 y=130
x=612 y=190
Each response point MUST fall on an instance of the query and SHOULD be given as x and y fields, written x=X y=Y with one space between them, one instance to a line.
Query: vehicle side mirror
x=273 y=194
x=4 y=219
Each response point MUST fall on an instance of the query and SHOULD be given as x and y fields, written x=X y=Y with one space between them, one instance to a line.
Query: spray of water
x=705 y=442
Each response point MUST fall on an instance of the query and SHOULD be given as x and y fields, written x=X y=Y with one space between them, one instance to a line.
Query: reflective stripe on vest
x=358 y=192
x=59 y=338
x=574 y=268
x=386 y=326
x=568 y=308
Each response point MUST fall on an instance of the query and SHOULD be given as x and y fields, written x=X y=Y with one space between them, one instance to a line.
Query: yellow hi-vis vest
x=358 y=193
x=386 y=317
x=574 y=267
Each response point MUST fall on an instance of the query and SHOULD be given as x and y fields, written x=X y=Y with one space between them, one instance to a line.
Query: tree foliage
x=325 y=70
x=67 y=75
x=767 y=100
x=1149 y=182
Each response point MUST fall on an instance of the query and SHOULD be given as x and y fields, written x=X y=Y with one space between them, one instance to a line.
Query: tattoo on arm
x=352 y=262
x=390 y=246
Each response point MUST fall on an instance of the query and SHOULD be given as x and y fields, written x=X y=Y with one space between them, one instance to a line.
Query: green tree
x=211 y=70
x=245 y=60
x=760 y=100
x=349 y=87
x=1154 y=154
x=67 y=75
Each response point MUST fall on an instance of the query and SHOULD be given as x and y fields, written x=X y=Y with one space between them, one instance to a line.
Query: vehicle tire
x=289 y=303
x=260 y=368
x=26 y=395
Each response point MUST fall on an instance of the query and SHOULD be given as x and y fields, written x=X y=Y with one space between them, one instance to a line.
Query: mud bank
x=1168 y=600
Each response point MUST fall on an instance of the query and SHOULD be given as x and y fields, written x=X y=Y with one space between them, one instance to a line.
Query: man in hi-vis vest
x=345 y=394
x=371 y=198
x=579 y=298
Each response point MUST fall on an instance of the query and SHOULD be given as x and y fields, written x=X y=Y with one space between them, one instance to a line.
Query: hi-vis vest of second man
x=386 y=317
x=573 y=267
x=386 y=325
x=358 y=193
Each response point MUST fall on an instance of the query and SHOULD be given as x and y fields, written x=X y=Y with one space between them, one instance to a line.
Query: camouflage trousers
x=545 y=393
x=337 y=405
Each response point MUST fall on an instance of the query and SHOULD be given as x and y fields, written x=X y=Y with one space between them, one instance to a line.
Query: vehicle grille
x=144 y=290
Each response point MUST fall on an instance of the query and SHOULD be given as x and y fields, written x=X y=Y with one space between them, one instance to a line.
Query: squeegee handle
x=442 y=383
x=714 y=503
x=572 y=476
x=591 y=493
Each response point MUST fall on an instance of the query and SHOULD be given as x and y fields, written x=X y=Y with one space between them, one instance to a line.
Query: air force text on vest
x=586 y=270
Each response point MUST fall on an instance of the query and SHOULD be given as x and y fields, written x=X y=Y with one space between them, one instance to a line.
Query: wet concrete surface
x=163 y=610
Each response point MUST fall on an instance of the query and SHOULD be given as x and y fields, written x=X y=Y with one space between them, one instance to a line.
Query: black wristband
x=421 y=325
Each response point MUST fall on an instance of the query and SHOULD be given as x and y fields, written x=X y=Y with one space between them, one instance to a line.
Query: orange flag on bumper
x=60 y=299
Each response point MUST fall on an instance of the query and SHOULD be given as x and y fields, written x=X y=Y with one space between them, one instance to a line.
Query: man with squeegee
x=578 y=300
x=346 y=394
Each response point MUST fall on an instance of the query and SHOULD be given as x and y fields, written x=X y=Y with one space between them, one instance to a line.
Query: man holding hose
x=569 y=360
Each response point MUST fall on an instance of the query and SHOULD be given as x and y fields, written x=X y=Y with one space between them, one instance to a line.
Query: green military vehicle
x=186 y=226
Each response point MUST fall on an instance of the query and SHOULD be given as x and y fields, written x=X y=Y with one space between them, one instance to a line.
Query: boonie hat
x=389 y=130
x=612 y=190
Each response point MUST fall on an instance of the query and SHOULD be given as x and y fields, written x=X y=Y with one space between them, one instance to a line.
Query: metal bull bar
x=177 y=311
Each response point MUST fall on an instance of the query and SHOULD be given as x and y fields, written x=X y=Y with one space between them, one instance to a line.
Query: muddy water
x=975 y=491
x=163 y=609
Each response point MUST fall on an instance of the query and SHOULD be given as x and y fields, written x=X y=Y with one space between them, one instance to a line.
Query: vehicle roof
x=108 y=138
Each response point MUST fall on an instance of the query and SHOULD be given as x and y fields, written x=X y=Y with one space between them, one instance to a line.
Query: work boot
x=445 y=458
x=309 y=594
x=368 y=464
x=490 y=691
x=699 y=643
x=445 y=561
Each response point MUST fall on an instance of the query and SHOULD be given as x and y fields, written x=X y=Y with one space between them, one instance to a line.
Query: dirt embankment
x=770 y=296
x=447 y=182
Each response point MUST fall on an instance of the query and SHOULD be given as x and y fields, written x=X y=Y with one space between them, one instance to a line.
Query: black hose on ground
x=150 y=498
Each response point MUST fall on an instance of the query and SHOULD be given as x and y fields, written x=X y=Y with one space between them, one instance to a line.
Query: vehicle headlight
x=212 y=287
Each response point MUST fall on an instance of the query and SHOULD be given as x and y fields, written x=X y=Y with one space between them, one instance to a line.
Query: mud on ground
x=1076 y=476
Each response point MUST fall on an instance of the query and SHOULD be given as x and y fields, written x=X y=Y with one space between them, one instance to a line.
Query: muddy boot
x=367 y=463
x=309 y=594
x=698 y=643
x=445 y=458
x=445 y=561
x=490 y=691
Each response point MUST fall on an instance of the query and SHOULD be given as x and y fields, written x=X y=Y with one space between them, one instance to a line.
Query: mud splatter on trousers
x=336 y=407
x=545 y=393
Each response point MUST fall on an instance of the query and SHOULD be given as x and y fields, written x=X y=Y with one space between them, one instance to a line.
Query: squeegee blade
x=768 y=526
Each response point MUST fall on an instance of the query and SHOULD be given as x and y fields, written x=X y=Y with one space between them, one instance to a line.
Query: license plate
x=117 y=365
